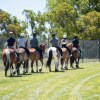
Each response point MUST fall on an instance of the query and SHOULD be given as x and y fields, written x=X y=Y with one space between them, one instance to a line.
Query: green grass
x=72 y=84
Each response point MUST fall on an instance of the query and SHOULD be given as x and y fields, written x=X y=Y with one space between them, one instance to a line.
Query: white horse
x=53 y=54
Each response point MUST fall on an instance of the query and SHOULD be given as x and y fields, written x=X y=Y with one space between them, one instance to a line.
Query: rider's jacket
x=54 y=42
x=75 y=43
x=34 y=42
x=10 y=41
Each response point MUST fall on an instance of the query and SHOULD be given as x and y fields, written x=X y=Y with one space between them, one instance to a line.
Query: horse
x=23 y=59
x=53 y=54
x=66 y=56
x=9 y=58
x=35 y=56
x=75 y=57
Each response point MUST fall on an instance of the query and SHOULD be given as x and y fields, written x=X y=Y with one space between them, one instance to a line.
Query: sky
x=15 y=7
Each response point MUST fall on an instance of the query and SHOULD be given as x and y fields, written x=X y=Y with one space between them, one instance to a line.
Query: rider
x=64 y=44
x=22 y=44
x=54 y=42
x=11 y=43
x=76 y=43
x=34 y=44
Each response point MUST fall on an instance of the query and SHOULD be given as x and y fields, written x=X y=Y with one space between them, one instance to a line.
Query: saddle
x=20 y=50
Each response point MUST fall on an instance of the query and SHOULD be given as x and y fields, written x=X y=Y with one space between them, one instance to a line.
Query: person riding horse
x=76 y=43
x=54 y=42
x=34 y=44
x=11 y=43
x=22 y=44
x=64 y=43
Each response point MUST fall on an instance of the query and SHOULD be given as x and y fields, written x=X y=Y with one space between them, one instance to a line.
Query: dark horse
x=9 y=58
x=35 y=56
x=75 y=57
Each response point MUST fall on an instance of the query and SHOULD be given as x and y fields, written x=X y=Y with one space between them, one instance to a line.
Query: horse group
x=54 y=54
x=10 y=58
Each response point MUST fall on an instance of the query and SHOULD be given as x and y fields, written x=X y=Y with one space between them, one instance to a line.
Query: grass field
x=72 y=84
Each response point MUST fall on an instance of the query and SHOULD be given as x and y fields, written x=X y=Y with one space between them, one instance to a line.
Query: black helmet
x=34 y=34
x=75 y=37
x=53 y=34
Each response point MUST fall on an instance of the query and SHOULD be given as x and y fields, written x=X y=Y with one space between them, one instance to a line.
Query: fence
x=90 y=49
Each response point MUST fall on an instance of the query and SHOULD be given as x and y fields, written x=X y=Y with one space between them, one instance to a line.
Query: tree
x=30 y=18
x=62 y=19
x=9 y=23
x=91 y=23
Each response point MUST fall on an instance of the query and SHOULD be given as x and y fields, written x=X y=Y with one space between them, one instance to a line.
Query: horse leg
x=18 y=68
x=37 y=66
x=24 y=68
x=27 y=63
x=71 y=62
x=49 y=68
x=6 y=69
x=56 y=65
x=11 y=70
x=62 y=65
x=32 y=62
x=66 y=65
x=42 y=65
x=77 y=62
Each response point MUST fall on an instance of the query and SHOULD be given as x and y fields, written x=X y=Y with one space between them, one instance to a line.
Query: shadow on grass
x=39 y=72
x=75 y=68
x=15 y=76
x=58 y=71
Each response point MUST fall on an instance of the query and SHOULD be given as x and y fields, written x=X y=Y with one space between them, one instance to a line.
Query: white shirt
x=21 y=42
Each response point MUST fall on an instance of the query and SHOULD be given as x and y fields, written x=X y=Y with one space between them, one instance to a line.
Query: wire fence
x=90 y=49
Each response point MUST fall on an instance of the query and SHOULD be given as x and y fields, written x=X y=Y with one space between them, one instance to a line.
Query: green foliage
x=81 y=17
x=91 y=23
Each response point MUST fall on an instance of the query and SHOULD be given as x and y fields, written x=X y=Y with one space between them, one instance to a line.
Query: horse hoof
x=62 y=68
x=40 y=70
x=32 y=71
x=56 y=70
x=14 y=72
x=66 y=68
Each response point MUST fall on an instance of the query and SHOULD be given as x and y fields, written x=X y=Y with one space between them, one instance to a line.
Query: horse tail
x=49 y=59
x=7 y=57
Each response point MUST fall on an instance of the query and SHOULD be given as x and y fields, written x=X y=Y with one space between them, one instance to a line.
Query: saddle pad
x=9 y=49
x=32 y=50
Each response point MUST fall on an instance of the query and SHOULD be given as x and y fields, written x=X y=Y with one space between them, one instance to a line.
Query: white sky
x=15 y=7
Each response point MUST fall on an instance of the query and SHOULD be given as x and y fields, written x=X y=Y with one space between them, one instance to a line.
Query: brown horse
x=35 y=56
x=75 y=57
x=9 y=58
x=66 y=56
x=23 y=59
